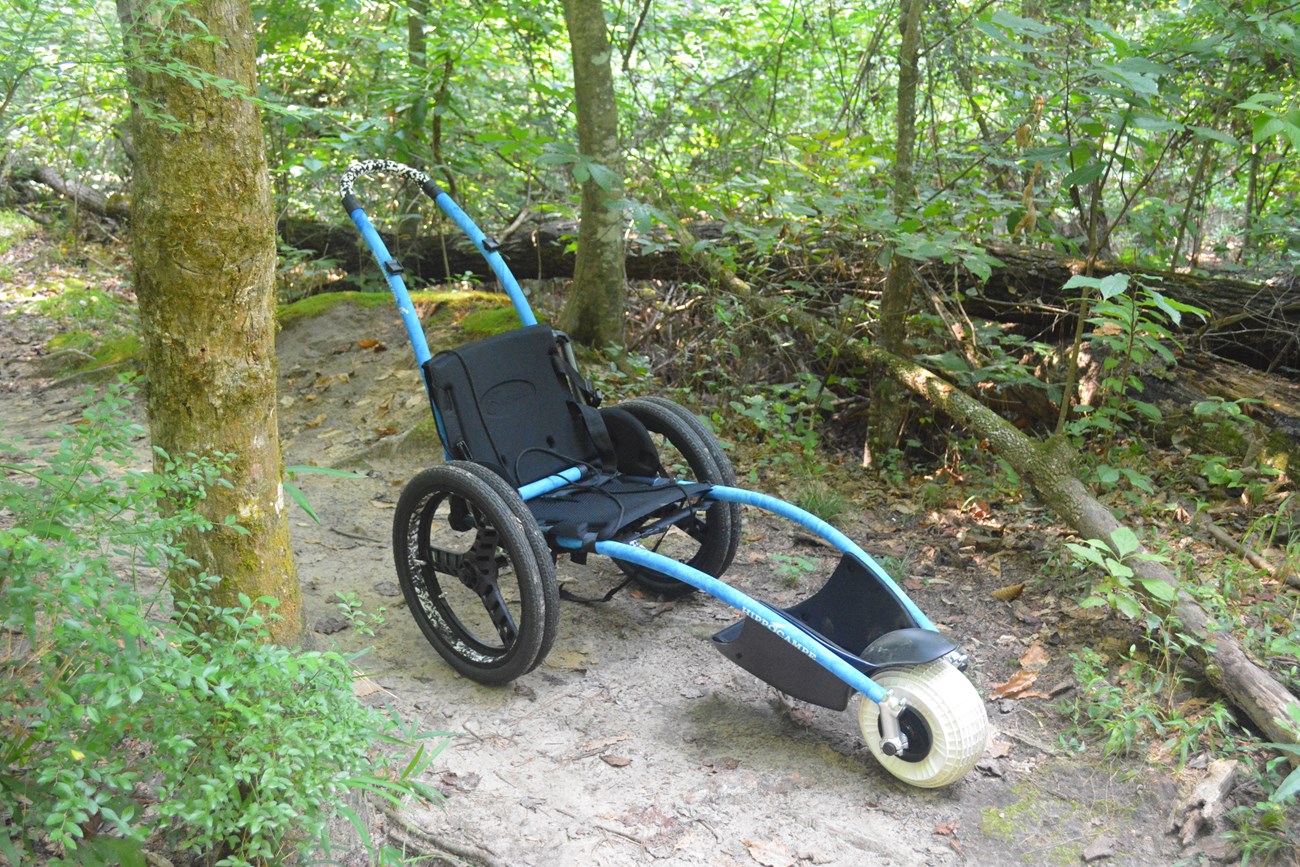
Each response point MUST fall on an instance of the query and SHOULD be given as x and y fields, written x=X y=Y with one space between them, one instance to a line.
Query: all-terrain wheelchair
x=535 y=468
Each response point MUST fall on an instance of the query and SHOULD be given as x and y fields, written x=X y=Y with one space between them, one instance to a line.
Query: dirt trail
x=635 y=742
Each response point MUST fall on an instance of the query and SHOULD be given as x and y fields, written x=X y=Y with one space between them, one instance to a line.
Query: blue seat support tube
x=414 y=330
x=762 y=614
x=816 y=525
x=533 y=490
x=494 y=259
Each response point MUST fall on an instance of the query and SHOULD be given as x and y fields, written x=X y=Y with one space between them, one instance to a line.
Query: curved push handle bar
x=388 y=264
x=381 y=167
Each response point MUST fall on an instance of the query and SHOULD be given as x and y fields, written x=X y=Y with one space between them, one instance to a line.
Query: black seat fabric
x=507 y=402
x=598 y=507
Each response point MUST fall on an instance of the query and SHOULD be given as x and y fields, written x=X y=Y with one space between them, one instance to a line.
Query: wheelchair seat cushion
x=600 y=506
x=504 y=402
x=511 y=403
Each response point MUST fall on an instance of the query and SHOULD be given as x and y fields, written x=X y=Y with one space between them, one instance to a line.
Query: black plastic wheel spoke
x=695 y=528
x=445 y=562
x=500 y=614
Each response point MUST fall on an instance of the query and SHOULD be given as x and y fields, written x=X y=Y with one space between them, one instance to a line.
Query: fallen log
x=1255 y=323
x=85 y=196
x=534 y=250
x=1048 y=467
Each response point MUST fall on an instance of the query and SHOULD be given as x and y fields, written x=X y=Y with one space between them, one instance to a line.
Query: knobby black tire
x=463 y=624
x=707 y=462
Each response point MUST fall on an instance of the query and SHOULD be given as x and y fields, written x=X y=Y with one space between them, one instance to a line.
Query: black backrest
x=505 y=403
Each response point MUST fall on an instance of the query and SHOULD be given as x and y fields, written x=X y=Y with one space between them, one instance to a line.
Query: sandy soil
x=635 y=742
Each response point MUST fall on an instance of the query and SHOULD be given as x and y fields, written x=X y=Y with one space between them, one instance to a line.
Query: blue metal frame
x=837 y=661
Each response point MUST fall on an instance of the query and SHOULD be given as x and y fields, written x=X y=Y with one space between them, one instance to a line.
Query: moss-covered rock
x=488 y=321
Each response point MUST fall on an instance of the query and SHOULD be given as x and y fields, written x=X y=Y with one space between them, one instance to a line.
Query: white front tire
x=945 y=721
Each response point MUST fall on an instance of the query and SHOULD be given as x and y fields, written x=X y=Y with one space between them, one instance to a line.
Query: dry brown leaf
x=1015 y=686
x=946 y=829
x=1035 y=658
x=1011 y=591
x=770 y=854
x=616 y=761
x=998 y=749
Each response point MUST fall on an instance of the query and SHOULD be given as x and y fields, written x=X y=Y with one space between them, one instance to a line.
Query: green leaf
x=1046 y=154
x=1262 y=102
x=1266 y=127
x=1159 y=589
x=1113 y=36
x=1121 y=572
x=301 y=499
x=1156 y=124
x=1138 y=480
x=1086 y=552
x=1079 y=280
x=1289 y=787
x=1107 y=475
x=1140 y=84
x=1112 y=285
x=1206 y=132
x=1149 y=410
x=1128 y=606
x=1124 y=540
x=1083 y=175
x=1021 y=26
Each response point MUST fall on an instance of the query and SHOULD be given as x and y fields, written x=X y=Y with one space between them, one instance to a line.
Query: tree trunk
x=594 y=312
x=413 y=148
x=887 y=411
x=204 y=258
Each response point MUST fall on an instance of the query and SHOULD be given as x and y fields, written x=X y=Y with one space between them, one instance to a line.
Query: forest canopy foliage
x=1164 y=132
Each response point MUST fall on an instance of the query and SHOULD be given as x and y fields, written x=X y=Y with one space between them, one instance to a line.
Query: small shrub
x=123 y=718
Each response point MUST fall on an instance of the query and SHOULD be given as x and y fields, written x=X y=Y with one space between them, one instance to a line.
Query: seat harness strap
x=570 y=597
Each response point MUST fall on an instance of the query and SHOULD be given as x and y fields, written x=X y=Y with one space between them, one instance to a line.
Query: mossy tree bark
x=594 y=311
x=887 y=409
x=203 y=247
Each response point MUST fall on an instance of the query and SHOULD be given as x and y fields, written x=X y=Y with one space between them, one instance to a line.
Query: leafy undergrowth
x=135 y=721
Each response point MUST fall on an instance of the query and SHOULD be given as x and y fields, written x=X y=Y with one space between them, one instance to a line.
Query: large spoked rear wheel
x=476 y=571
x=689 y=452
x=945 y=724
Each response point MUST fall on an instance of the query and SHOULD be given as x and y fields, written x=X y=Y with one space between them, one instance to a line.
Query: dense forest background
x=1161 y=133
x=1083 y=215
